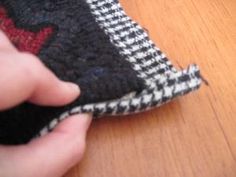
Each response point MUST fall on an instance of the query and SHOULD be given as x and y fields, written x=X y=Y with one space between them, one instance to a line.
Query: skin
x=29 y=80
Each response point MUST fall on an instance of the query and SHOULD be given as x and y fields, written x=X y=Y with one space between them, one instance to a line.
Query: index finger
x=24 y=77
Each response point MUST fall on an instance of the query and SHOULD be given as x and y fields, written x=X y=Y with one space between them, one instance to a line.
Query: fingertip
x=55 y=92
x=75 y=130
x=69 y=92
x=49 y=90
x=65 y=93
x=76 y=124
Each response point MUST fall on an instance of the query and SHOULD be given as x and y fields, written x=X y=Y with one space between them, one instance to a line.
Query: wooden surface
x=194 y=136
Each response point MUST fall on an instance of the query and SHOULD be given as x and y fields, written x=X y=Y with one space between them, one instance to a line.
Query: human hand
x=25 y=78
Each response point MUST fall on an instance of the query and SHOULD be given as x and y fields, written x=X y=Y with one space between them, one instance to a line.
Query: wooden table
x=194 y=136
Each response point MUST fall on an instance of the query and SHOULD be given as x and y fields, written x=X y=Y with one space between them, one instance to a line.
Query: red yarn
x=23 y=39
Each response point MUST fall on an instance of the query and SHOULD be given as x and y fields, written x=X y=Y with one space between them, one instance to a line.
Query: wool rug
x=94 y=44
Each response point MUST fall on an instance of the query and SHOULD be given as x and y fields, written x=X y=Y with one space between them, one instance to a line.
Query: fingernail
x=73 y=87
x=87 y=117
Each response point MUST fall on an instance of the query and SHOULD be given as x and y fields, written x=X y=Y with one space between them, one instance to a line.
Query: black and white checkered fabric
x=161 y=81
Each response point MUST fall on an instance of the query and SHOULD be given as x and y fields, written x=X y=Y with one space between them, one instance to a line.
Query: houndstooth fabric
x=153 y=79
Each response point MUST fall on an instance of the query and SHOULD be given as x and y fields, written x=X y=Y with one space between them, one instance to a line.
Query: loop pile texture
x=96 y=45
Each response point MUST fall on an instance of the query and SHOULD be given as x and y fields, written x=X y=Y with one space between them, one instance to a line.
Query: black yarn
x=79 y=51
x=96 y=45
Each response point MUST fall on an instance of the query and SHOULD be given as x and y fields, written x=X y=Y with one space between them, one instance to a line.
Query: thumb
x=54 y=153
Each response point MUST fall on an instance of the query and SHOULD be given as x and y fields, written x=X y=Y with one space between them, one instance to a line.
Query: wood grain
x=193 y=136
